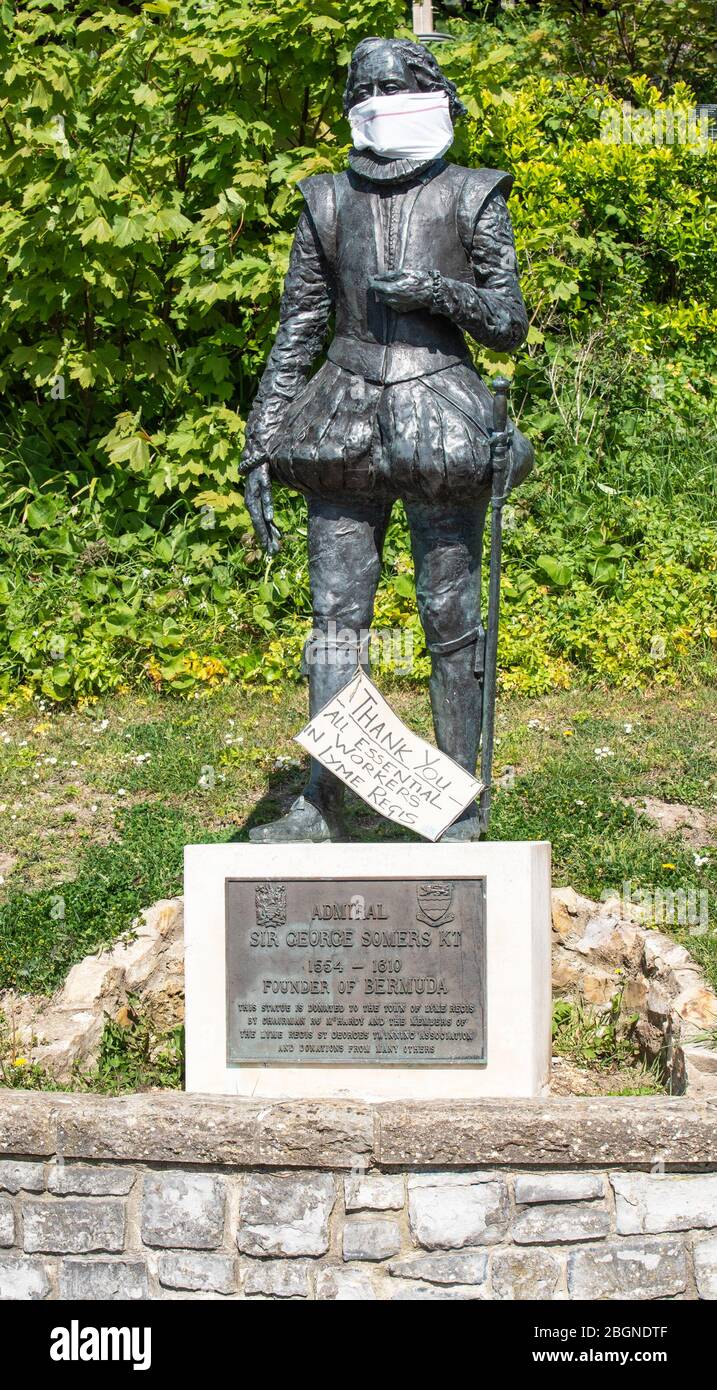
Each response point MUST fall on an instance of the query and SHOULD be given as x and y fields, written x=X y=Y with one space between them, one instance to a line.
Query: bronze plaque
x=360 y=972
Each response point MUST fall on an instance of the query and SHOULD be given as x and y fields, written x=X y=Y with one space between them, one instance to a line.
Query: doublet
x=397 y=409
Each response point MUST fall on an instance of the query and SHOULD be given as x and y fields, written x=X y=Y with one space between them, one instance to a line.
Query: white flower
x=627 y=728
x=579 y=803
x=701 y=860
x=121 y=791
x=604 y=753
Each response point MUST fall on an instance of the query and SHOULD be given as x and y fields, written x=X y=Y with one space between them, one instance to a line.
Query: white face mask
x=404 y=125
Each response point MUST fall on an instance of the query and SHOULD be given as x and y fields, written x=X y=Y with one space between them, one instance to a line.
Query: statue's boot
x=318 y=814
x=304 y=823
x=457 y=701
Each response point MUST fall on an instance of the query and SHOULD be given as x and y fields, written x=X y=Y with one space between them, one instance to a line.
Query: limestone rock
x=371 y=1240
x=344 y=1285
x=525 y=1274
x=183 y=1209
x=278 y=1278
x=73 y=1227
x=103 y=1279
x=453 y=1214
x=84 y=1180
x=406 y=1290
x=197 y=1271
x=647 y=1203
x=604 y=949
x=66 y=1029
x=558 y=1187
x=16 y=1176
x=570 y=912
x=7 y=1222
x=706 y=1267
x=636 y=1269
x=697 y=1007
x=373 y=1192
x=556 y=1224
x=285 y=1215
x=442 y=1268
x=701 y=1070
x=21 y=1278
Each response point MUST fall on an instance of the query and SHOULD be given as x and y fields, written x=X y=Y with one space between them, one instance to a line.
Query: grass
x=601 y=1041
x=97 y=804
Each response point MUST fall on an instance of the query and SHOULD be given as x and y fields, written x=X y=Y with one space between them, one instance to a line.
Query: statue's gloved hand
x=260 y=506
x=404 y=290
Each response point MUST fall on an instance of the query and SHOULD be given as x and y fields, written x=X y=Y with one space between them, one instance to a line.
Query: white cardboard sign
x=358 y=737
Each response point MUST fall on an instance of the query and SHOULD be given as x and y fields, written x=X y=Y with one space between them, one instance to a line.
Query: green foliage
x=134 y=1057
x=43 y=933
x=614 y=39
x=593 y=1038
x=148 y=166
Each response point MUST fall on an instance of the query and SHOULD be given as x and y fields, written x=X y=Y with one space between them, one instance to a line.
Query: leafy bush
x=148 y=167
x=45 y=932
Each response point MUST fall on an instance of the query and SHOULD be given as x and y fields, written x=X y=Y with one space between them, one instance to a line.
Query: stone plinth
x=515 y=879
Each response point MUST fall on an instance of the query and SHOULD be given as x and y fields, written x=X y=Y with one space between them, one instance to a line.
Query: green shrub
x=148 y=170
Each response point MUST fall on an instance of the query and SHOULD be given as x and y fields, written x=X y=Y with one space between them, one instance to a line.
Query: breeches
x=346 y=538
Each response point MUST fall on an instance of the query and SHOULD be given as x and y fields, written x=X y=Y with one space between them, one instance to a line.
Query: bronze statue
x=408 y=252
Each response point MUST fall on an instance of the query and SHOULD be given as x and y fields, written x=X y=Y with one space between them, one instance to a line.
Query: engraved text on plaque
x=355 y=971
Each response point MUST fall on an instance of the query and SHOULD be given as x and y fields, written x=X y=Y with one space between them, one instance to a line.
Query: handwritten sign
x=358 y=737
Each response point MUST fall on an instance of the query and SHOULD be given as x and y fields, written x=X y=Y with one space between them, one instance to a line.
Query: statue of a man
x=408 y=253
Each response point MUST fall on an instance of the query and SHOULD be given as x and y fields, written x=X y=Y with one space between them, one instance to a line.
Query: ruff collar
x=377 y=169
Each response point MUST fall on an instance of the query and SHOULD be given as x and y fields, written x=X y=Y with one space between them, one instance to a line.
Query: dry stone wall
x=188 y=1197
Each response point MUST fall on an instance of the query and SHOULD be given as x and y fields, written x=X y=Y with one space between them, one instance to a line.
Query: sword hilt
x=500 y=451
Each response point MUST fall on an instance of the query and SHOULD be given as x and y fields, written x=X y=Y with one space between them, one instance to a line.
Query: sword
x=500 y=460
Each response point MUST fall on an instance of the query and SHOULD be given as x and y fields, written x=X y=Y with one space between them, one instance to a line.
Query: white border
x=518 y=929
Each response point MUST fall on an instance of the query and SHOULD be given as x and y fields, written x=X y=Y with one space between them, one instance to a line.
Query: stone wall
x=168 y=1196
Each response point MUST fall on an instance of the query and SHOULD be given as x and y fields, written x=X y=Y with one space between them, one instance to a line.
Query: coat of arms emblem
x=434 y=903
x=270 y=902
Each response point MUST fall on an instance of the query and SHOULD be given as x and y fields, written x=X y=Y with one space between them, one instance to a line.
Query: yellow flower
x=568 y=733
x=20 y=1062
x=668 y=866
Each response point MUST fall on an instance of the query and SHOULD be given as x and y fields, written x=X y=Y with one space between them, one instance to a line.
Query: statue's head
x=382 y=67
